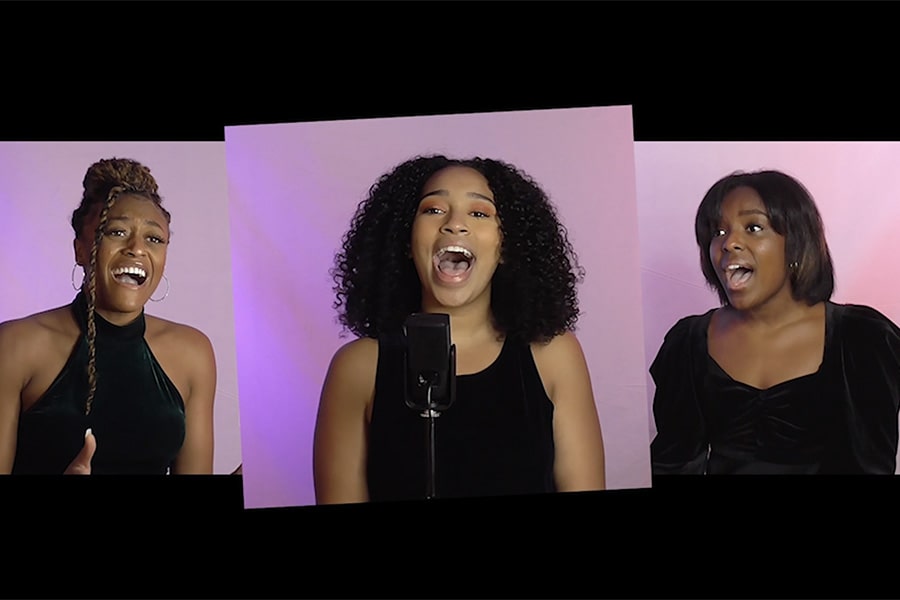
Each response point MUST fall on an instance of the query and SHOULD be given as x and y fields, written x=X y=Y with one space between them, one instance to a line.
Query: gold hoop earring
x=166 y=279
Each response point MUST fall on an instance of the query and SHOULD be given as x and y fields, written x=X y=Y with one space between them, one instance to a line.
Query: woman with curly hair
x=478 y=240
x=97 y=386
x=779 y=379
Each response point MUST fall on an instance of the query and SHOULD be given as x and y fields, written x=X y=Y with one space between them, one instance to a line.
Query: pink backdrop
x=293 y=189
x=854 y=184
x=40 y=186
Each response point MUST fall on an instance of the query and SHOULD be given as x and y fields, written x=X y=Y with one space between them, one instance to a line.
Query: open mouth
x=737 y=276
x=130 y=275
x=454 y=262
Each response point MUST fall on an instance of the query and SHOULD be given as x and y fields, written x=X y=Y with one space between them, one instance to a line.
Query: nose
x=455 y=224
x=137 y=246
x=732 y=241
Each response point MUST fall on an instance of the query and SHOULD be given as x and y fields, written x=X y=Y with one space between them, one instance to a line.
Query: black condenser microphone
x=430 y=362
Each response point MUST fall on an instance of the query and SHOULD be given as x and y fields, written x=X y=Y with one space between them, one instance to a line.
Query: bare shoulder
x=561 y=365
x=359 y=355
x=185 y=353
x=350 y=381
x=38 y=330
x=189 y=338
x=564 y=347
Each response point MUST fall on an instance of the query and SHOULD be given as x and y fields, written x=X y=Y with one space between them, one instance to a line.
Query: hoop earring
x=166 y=279
x=76 y=287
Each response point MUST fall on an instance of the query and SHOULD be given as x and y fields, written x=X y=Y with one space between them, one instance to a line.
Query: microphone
x=430 y=361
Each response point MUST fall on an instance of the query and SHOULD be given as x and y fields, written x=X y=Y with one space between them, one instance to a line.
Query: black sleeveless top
x=496 y=438
x=137 y=415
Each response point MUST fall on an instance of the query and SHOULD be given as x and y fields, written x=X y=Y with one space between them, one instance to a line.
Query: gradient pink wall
x=855 y=185
x=293 y=189
x=40 y=186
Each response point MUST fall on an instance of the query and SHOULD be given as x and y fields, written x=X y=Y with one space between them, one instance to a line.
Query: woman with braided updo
x=480 y=241
x=97 y=386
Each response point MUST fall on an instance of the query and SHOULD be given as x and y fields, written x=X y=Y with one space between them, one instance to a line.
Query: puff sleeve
x=870 y=377
x=681 y=445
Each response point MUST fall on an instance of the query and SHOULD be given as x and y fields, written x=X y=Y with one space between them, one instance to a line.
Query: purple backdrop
x=854 y=184
x=40 y=186
x=293 y=189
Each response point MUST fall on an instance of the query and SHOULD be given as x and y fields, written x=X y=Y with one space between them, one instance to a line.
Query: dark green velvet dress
x=137 y=414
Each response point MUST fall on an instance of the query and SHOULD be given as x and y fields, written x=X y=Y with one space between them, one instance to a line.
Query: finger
x=90 y=446
x=81 y=464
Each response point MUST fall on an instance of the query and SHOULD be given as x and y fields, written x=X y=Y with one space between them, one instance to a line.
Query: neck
x=119 y=318
x=468 y=323
x=114 y=317
x=773 y=314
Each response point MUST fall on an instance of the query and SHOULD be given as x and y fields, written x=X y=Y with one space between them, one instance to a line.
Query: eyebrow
x=126 y=218
x=753 y=211
x=442 y=192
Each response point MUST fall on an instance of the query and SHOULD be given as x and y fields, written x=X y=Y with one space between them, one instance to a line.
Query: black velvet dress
x=137 y=415
x=496 y=438
x=841 y=419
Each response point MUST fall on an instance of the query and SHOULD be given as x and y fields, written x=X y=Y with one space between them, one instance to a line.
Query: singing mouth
x=454 y=260
x=130 y=275
x=737 y=275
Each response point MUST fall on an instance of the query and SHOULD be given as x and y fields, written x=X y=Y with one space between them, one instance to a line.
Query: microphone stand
x=430 y=413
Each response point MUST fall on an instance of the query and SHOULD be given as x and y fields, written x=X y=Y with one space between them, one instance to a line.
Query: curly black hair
x=533 y=291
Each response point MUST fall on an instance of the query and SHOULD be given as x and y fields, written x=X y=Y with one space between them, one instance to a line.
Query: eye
x=719 y=232
x=156 y=239
x=114 y=232
x=754 y=227
x=432 y=210
x=480 y=214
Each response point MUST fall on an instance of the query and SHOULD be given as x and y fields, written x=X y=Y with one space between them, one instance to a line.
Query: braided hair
x=103 y=183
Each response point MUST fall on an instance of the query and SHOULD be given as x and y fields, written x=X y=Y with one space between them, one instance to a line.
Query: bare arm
x=196 y=455
x=30 y=348
x=339 y=447
x=579 y=463
x=12 y=382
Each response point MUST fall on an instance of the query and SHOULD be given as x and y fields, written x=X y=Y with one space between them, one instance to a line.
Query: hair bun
x=108 y=173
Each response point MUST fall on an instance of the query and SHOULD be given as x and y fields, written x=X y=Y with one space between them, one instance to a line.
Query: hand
x=81 y=465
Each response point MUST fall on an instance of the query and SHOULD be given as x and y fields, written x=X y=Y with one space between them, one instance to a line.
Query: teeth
x=130 y=271
x=459 y=249
x=734 y=267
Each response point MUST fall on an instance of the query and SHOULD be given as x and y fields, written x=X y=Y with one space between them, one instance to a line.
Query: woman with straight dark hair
x=779 y=379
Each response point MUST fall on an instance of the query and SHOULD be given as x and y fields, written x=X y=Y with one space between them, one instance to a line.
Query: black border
x=144 y=71
x=687 y=537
